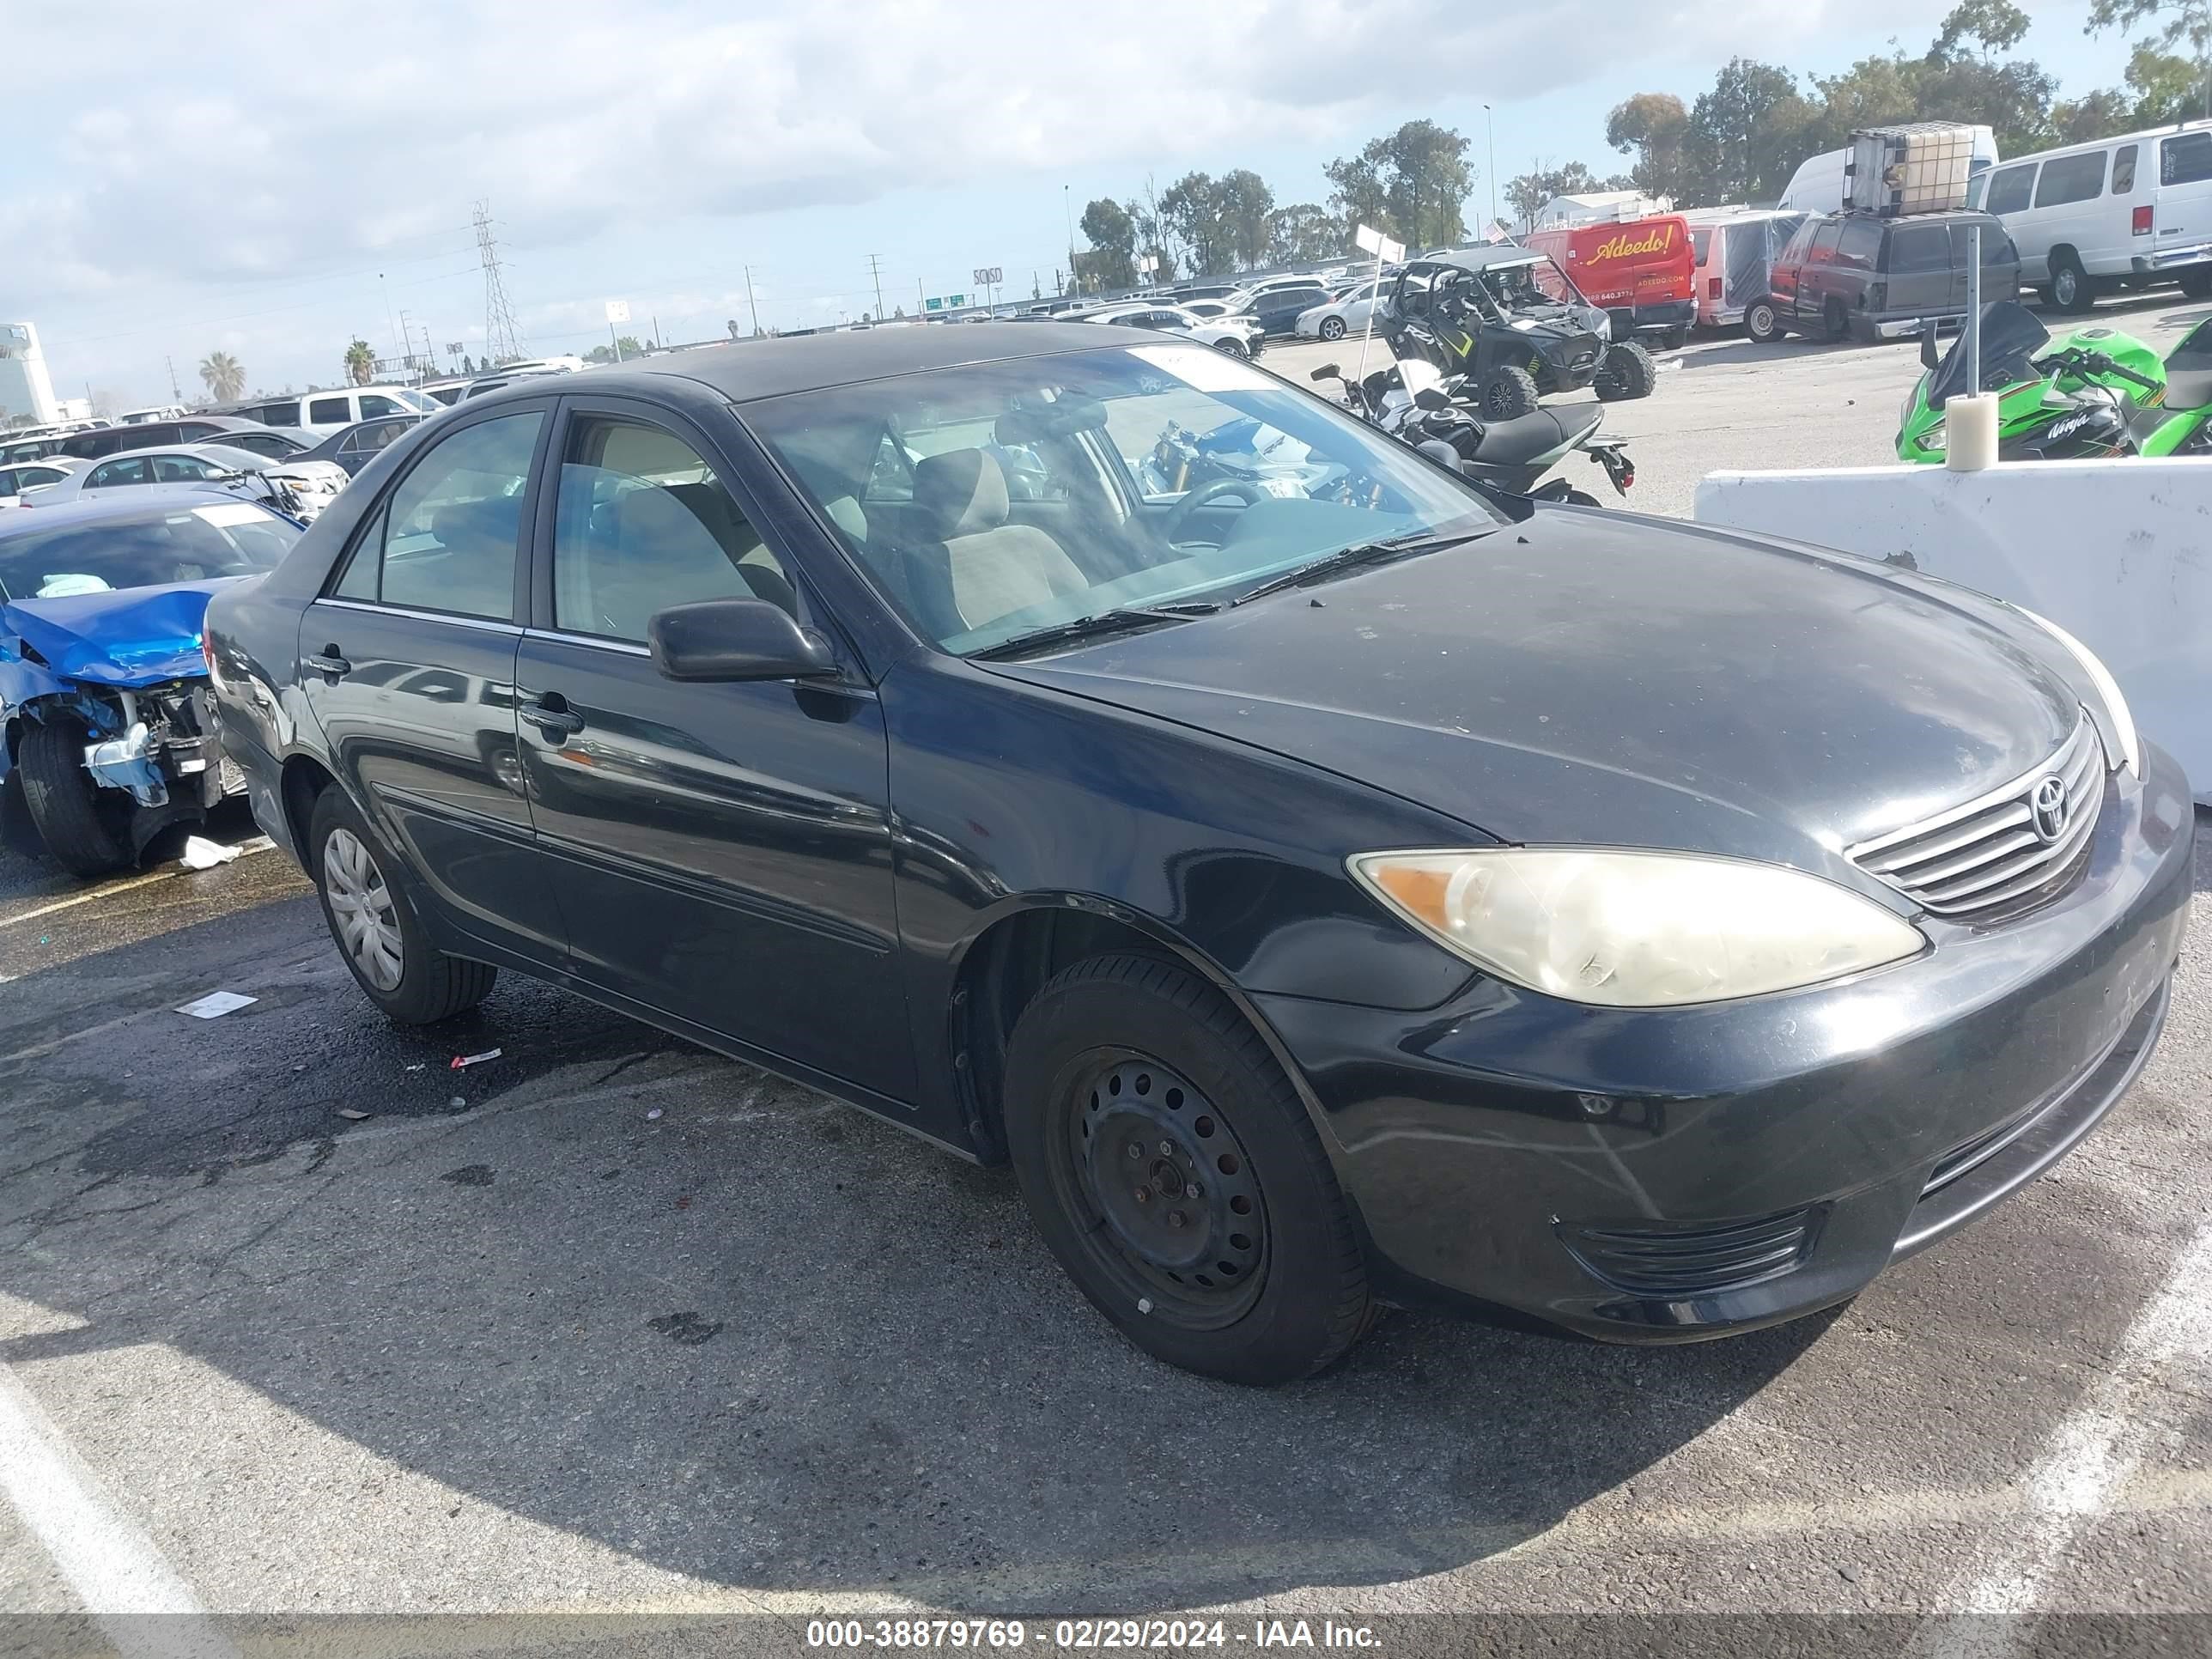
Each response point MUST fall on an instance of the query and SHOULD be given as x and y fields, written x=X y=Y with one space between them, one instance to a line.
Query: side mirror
x=1929 y=355
x=1429 y=397
x=1326 y=372
x=728 y=640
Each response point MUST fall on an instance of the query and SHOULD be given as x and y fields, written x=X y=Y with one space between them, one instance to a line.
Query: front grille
x=1680 y=1263
x=1992 y=851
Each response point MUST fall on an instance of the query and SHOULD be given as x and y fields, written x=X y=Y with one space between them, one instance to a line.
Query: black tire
x=1835 y=321
x=2196 y=284
x=1508 y=394
x=2069 y=290
x=1626 y=371
x=1125 y=1054
x=1332 y=328
x=1762 y=323
x=428 y=985
x=85 y=829
x=1234 y=348
x=1581 y=498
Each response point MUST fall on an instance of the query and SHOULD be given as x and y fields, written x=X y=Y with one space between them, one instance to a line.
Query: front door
x=408 y=662
x=720 y=853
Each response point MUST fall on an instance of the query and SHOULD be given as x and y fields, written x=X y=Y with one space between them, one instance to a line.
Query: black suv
x=1856 y=275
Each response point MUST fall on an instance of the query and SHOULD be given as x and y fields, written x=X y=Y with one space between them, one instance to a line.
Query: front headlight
x=1628 y=929
x=1936 y=440
x=2115 y=706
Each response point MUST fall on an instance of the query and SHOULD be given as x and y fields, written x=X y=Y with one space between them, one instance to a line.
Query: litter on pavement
x=462 y=1061
x=201 y=854
x=350 y=1114
x=215 y=1003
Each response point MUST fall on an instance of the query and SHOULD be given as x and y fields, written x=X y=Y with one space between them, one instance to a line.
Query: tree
x=360 y=363
x=223 y=375
x=1245 y=208
x=1111 y=261
x=1155 y=236
x=629 y=346
x=1304 y=235
x=1412 y=184
x=1746 y=136
x=1652 y=124
x=1527 y=194
x=2176 y=21
x=1191 y=212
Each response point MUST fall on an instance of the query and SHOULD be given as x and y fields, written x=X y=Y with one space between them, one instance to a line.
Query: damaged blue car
x=103 y=683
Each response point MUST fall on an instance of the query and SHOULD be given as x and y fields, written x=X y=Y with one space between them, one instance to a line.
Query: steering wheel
x=1180 y=515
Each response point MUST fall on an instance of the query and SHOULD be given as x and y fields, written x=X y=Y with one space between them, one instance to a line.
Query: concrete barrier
x=2117 y=553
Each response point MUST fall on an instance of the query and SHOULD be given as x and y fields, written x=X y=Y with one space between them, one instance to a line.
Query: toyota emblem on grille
x=2046 y=809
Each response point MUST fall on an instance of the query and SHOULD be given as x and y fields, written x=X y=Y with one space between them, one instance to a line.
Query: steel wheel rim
x=1203 y=1272
x=2064 y=283
x=363 y=914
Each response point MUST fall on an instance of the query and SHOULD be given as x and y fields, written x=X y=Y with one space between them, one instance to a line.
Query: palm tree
x=224 y=375
x=360 y=363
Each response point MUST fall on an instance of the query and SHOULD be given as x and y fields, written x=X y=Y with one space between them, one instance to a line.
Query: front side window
x=328 y=411
x=446 y=538
x=372 y=404
x=2071 y=178
x=131 y=470
x=2009 y=189
x=643 y=523
x=992 y=500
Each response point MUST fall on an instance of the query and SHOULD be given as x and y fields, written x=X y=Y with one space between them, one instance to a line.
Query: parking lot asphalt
x=302 y=1321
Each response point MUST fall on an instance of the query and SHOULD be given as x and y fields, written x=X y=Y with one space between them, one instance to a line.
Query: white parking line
x=258 y=844
x=111 y=1564
x=2088 y=1459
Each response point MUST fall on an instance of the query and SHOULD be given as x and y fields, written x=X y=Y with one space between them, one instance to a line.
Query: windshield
x=415 y=400
x=2011 y=335
x=143 y=549
x=996 y=499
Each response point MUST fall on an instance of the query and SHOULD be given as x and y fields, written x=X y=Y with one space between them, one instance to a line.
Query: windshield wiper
x=1106 y=622
x=1382 y=552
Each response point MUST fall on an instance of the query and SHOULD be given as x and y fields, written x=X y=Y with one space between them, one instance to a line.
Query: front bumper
x=1668 y=1175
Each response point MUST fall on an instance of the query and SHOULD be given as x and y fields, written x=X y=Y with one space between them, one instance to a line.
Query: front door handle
x=328 y=664
x=553 y=717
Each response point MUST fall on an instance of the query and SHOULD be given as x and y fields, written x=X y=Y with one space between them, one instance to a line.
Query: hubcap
x=361 y=912
x=1178 y=1203
x=2065 y=285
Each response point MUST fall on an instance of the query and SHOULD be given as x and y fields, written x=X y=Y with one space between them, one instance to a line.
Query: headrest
x=960 y=493
x=654 y=524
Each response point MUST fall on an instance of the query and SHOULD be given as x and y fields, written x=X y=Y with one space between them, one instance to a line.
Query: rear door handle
x=331 y=666
x=553 y=717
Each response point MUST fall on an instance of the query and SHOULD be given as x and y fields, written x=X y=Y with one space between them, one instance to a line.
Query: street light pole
x=1067 y=203
x=1490 y=135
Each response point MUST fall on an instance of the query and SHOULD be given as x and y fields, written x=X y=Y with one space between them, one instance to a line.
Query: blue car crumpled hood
x=137 y=636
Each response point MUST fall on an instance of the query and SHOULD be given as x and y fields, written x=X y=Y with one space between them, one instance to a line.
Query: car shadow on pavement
x=659 y=1303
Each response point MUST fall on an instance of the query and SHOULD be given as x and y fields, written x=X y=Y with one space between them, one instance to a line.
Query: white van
x=2122 y=212
x=1817 y=187
x=1735 y=248
x=326 y=412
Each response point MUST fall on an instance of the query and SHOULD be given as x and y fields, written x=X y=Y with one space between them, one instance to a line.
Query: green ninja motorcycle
x=2097 y=393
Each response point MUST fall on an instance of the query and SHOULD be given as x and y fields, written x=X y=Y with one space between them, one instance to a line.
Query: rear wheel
x=1835 y=321
x=381 y=940
x=1762 y=323
x=1175 y=1175
x=2196 y=284
x=1508 y=394
x=85 y=829
x=1626 y=372
x=2069 y=289
x=1332 y=328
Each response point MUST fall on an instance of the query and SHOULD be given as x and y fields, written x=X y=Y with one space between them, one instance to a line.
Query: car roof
x=1496 y=256
x=748 y=370
x=146 y=500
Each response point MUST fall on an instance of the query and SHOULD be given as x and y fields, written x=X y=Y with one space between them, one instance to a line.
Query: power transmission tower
x=876 y=269
x=502 y=340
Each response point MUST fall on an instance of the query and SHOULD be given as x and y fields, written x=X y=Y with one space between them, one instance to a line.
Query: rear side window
x=1919 y=248
x=2124 y=169
x=328 y=411
x=446 y=539
x=1701 y=239
x=2071 y=178
x=1859 y=244
x=131 y=469
x=2010 y=189
x=2185 y=160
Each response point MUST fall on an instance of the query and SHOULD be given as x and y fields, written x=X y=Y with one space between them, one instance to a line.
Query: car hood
x=131 y=637
x=1589 y=676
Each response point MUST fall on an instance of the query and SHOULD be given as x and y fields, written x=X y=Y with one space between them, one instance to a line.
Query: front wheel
x=1508 y=394
x=85 y=829
x=381 y=940
x=1332 y=328
x=1626 y=372
x=1175 y=1175
x=1762 y=323
x=1234 y=348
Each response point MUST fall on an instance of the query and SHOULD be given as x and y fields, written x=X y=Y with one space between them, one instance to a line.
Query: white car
x=315 y=483
x=1235 y=333
x=28 y=478
x=1343 y=315
x=325 y=412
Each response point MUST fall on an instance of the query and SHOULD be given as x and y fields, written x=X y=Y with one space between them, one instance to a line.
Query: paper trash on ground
x=463 y=1061
x=215 y=1003
x=201 y=854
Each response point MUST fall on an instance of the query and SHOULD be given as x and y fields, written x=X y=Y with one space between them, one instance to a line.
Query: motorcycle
x=2098 y=392
x=1434 y=413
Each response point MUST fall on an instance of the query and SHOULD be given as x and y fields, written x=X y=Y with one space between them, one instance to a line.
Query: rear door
x=408 y=663
x=722 y=853
x=2184 y=213
x=1920 y=278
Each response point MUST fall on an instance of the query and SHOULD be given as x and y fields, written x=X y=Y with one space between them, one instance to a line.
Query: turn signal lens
x=2141 y=222
x=1631 y=929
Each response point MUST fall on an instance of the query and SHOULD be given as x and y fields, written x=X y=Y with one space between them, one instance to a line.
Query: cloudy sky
x=271 y=180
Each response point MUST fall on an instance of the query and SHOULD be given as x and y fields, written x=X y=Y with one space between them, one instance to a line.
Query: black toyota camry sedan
x=1328 y=883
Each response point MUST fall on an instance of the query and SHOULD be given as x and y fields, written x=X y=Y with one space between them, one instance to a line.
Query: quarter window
x=445 y=540
x=2010 y=189
x=2124 y=170
x=643 y=523
x=328 y=411
x=2185 y=160
x=2071 y=178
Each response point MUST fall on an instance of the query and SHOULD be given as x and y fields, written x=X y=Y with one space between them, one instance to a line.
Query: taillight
x=2141 y=222
x=1712 y=287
